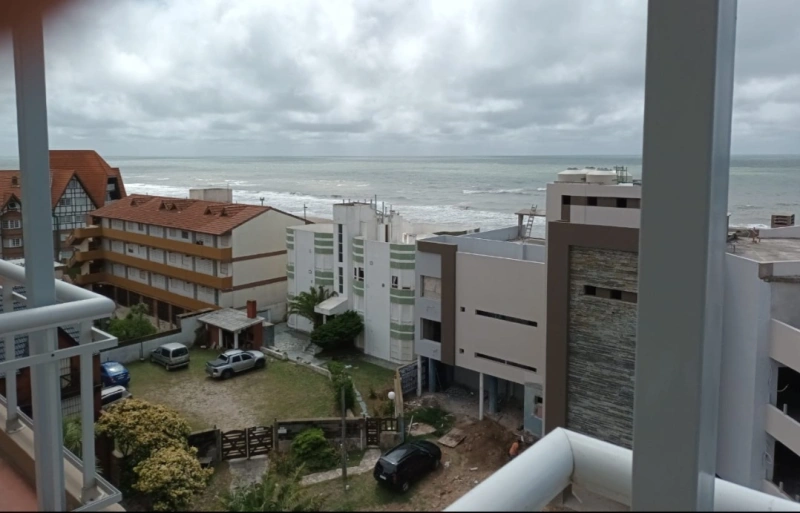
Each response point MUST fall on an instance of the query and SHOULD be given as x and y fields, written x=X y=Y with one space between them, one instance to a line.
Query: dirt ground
x=485 y=449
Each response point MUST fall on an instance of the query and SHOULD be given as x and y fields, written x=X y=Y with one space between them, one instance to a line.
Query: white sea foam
x=494 y=191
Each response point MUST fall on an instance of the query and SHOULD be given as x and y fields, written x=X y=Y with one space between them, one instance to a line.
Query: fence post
x=363 y=431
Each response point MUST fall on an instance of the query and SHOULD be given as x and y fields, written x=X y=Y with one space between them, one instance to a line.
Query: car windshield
x=115 y=368
x=223 y=357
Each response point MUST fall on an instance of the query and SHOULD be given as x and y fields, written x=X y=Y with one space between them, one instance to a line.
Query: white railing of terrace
x=78 y=307
x=563 y=458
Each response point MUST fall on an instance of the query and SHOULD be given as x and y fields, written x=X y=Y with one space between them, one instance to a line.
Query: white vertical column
x=12 y=420
x=236 y=340
x=88 y=491
x=37 y=230
x=685 y=160
x=480 y=396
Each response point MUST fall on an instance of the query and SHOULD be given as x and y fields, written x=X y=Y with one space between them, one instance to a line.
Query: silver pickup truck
x=235 y=361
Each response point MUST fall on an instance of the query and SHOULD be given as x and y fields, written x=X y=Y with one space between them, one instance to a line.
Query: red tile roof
x=86 y=165
x=184 y=214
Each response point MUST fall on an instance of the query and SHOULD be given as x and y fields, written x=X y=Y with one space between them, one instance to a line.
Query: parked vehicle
x=406 y=463
x=114 y=373
x=235 y=361
x=111 y=395
x=171 y=356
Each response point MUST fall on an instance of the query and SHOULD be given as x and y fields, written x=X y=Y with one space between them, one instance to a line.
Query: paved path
x=244 y=472
x=367 y=464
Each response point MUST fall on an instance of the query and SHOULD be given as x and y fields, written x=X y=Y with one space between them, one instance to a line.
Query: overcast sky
x=382 y=77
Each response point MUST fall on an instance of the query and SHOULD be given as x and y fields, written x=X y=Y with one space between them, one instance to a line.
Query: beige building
x=180 y=255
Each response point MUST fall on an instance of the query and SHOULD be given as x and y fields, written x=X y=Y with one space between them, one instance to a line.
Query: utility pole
x=344 y=449
x=262 y=200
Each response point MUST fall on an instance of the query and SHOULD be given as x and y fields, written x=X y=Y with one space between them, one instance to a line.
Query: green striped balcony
x=402 y=296
x=358 y=287
x=402 y=331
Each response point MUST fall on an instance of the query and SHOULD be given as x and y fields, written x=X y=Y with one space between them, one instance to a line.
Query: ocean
x=474 y=191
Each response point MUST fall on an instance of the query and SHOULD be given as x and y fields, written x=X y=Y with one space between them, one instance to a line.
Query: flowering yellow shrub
x=139 y=428
x=170 y=477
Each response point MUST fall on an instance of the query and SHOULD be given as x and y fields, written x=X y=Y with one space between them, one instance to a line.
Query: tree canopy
x=134 y=325
x=304 y=303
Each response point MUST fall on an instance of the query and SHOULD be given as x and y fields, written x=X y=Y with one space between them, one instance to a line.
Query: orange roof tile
x=184 y=214
x=86 y=165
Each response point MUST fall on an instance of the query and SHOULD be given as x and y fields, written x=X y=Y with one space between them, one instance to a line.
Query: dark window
x=341 y=241
x=431 y=330
x=506 y=318
x=591 y=201
x=395 y=281
x=236 y=359
x=180 y=352
x=463 y=309
x=165 y=352
x=566 y=200
x=622 y=202
x=616 y=294
x=590 y=290
x=184 y=235
x=507 y=362
x=246 y=357
x=341 y=280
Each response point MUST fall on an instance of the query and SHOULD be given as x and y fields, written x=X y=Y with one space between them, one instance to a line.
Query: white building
x=367 y=257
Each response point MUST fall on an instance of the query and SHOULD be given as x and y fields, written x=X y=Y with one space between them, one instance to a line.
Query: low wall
x=133 y=350
x=332 y=427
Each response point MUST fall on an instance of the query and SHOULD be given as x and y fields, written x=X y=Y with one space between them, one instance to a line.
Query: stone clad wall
x=602 y=345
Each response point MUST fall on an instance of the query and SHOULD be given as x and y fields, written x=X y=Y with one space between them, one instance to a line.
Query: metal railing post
x=10 y=347
x=88 y=491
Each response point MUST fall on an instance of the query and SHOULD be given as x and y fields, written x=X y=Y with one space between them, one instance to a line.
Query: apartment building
x=80 y=181
x=367 y=258
x=178 y=255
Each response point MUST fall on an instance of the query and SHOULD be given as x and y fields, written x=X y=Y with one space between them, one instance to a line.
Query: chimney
x=251 y=309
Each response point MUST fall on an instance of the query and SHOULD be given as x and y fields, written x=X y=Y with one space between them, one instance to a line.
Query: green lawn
x=284 y=390
x=363 y=494
x=369 y=378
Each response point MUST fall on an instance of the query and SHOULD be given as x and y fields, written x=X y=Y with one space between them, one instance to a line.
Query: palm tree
x=272 y=494
x=303 y=304
x=72 y=435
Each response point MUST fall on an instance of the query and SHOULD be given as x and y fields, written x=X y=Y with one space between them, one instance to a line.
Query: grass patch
x=284 y=390
x=364 y=494
x=220 y=483
x=436 y=417
x=369 y=377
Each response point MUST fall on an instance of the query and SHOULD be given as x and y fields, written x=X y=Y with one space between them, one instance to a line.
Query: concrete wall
x=133 y=352
x=786 y=232
x=744 y=374
x=427 y=264
x=607 y=216
x=377 y=284
x=303 y=255
x=785 y=301
x=601 y=346
x=512 y=288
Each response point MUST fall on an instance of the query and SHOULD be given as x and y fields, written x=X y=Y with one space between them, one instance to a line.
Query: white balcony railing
x=77 y=307
x=538 y=475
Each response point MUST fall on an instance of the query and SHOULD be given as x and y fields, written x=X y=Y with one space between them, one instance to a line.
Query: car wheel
x=435 y=465
x=227 y=374
x=260 y=364
x=152 y=360
x=404 y=487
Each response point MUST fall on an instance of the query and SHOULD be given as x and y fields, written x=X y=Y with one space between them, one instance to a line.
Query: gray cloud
x=199 y=77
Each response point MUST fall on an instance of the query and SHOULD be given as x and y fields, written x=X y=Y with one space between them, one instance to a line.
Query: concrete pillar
x=236 y=340
x=492 y=394
x=220 y=340
x=480 y=396
x=431 y=375
x=419 y=375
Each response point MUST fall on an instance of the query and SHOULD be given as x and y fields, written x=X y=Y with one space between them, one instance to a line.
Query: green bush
x=338 y=332
x=340 y=379
x=134 y=325
x=312 y=449
x=170 y=477
x=283 y=463
x=273 y=493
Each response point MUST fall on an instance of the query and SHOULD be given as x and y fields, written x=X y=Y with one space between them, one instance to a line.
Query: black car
x=406 y=463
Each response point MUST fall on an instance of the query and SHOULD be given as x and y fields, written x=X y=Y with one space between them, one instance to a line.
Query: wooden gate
x=234 y=444
x=259 y=440
x=373 y=429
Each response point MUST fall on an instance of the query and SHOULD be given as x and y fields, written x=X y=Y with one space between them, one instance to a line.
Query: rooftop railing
x=541 y=473
x=77 y=308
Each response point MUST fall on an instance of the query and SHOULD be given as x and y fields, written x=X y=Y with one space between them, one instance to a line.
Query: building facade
x=367 y=258
x=179 y=255
x=80 y=181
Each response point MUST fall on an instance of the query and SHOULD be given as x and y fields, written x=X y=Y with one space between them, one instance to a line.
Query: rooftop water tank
x=602 y=177
x=572 y=175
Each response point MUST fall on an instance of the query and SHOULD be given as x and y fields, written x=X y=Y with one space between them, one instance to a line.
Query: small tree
x=340 y=379
x=170 y=477
x=134 y=325
x=338 y=332
x=304 y=303
x=272 y=494
x=141 y=428
x=71 y=428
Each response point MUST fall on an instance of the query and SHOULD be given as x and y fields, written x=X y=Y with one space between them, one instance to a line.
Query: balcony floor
x=15 y=493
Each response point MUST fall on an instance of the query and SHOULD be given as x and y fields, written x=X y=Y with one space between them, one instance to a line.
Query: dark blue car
x=114 y=373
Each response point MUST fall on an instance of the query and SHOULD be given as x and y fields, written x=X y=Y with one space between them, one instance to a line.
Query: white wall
x=744 y=379
x=303 y=272
x=377 y=283
x=504 y=286
x=132 y=353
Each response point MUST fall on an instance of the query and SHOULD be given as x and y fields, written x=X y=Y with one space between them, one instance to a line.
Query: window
x=236 y=359
x=395 y=282
x=360 y=275
x=223 y=269
x=507 y=362
x=431 y=330
x=622 y=202
x=64 y=202
x=615 y=294
x=224 y=241
x=341 y=280
x=184 y=235
x=140 y=226
x=187 y=287
x=591 y=201
x=199 y=242
x=13 y=205
x=143 y=275
x=566 y=200
x=341 y=243
x=131 y=249
x=247 y=357
x=15 y=243
x=431 y=287
x=12 y=224
x=506 y=318
x=173 y=258
x=590 y=290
